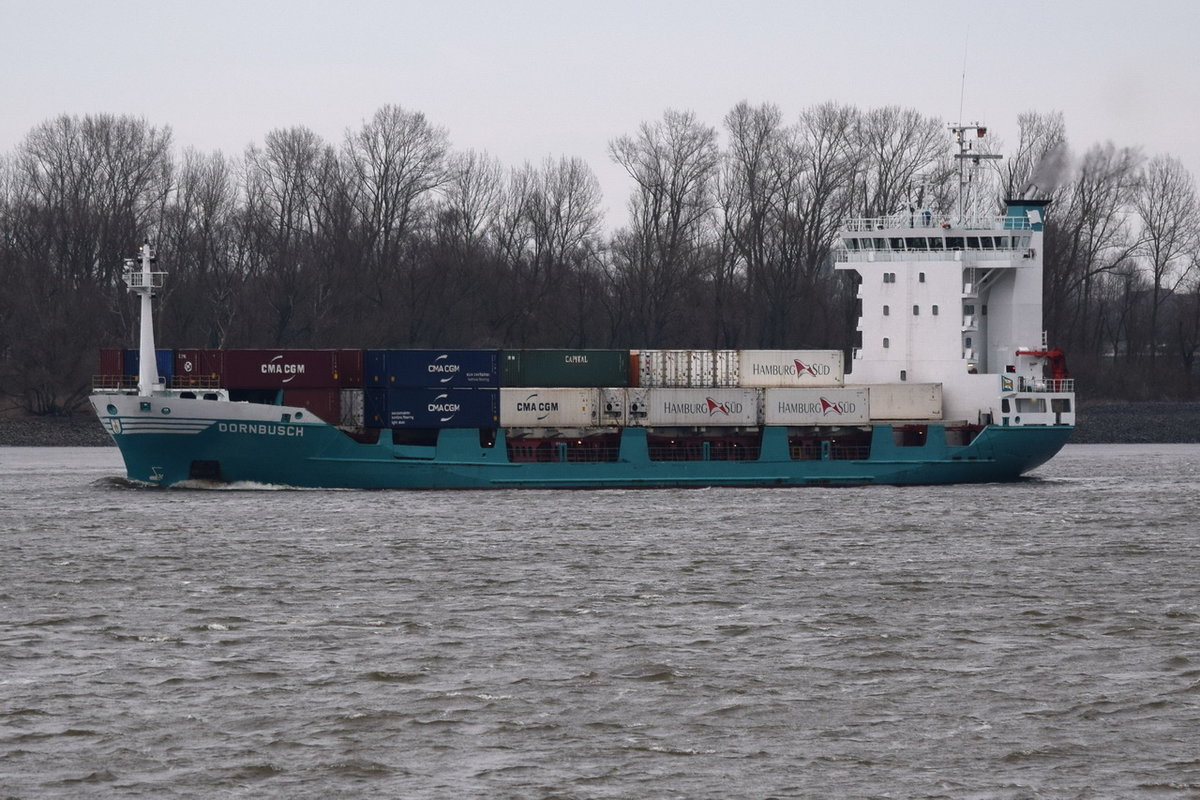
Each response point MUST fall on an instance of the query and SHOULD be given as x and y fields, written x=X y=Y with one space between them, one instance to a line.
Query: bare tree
x=82 y=189
x=674 y=166
x=1167 y=206
x=1041 y=161
x=197 y=241
x=282 y=213
x=1086 y=237
x=895 y=145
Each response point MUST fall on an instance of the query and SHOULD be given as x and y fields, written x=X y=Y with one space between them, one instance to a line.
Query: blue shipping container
x=421 y=369
x=164 y=358
x=431 y=408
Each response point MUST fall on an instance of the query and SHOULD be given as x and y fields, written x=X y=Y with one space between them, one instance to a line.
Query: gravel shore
x=1097 y=423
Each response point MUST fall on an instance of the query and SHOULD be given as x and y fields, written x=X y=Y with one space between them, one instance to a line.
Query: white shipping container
x=831 y=406
x=696 y=407
x=782 y=368
x=352 y=408
x=612 y=406
x=906 y=400
x=549 y=408
x=695 y=369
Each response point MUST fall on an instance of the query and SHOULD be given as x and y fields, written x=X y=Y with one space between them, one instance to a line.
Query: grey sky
x=527 y=80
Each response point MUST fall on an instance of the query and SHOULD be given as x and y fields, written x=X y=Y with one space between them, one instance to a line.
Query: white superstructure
x=956 y=299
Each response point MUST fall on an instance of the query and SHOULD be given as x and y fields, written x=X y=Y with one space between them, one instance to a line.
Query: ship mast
x=143 y=282
x=968 y=169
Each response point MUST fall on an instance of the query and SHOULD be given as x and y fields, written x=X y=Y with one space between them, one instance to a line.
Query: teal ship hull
x=167 y=442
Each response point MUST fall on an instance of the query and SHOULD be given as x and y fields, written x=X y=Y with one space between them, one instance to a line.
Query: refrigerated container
x=784 y=368
x=805 y=407
x=352 y=408
x=688 y=368
x=906 y=401
x=693 y=407
x=549 y=408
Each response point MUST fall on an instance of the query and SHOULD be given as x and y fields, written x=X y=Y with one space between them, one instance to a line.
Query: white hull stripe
x=130 y=426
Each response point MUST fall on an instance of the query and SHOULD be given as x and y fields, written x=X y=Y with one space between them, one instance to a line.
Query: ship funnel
x=1025 y=214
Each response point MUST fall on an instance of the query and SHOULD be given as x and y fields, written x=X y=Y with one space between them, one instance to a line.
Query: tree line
x=392 y=238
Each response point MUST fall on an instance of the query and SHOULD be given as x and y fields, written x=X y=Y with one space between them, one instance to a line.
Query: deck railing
x=1046 y=385
x=926 y=220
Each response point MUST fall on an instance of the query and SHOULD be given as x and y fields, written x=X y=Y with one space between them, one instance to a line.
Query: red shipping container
x=203 y=368
x=280 y=369
x=112 y=362
x=325 y=403
x=349 y=368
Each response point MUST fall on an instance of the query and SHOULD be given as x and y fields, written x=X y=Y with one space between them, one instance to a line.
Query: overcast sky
x=524 y=80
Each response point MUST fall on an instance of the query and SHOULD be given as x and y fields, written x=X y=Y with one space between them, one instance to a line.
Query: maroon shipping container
x=112 y=362
x=349 y=372
x=203 y=368
x=280 y=369
x=325 y=403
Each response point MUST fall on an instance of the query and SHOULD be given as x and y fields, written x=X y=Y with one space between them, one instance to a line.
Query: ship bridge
x=956 y=299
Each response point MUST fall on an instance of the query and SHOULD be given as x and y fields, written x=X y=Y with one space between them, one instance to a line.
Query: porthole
x=166 y=410
x=112 y=409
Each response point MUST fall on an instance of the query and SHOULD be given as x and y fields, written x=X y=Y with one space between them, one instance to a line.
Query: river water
x=1031 y=640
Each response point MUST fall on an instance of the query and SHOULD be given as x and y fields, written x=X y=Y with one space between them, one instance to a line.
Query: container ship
x=952 y=380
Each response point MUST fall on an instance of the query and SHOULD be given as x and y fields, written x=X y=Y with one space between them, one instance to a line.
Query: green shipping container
x=565 y=368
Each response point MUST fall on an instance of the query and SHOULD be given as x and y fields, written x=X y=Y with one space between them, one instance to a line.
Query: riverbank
x=1098 y=423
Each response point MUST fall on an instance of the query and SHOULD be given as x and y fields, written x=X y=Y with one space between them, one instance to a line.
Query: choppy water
x=1032 y=640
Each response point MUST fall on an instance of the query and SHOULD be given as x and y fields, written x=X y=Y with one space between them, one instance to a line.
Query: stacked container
x=724 y=407
x=582 y=369
x=806 y=407
x=687 y=369
x=786 y=368
x=905 y=401
x=549 y=408
x=431 y=388
x=163 y=359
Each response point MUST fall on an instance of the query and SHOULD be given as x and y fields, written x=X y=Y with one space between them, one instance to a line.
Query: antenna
x=968 y=167
x=962 y=92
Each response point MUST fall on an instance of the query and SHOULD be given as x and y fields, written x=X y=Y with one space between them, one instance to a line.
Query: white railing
x=971 y=256
x=136 y=279
x=918 y=220
x=1046 y=385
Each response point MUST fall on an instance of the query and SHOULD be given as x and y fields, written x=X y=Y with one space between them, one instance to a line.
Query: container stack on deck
x=544 y=392
x=431 y=388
